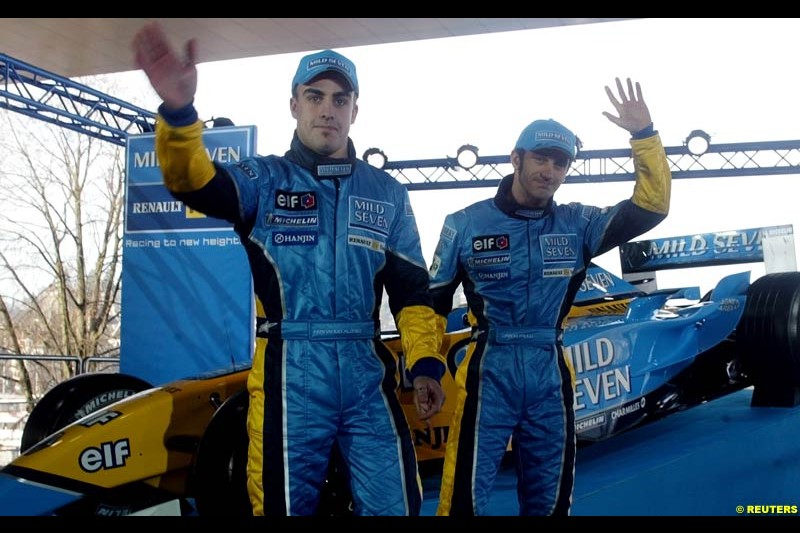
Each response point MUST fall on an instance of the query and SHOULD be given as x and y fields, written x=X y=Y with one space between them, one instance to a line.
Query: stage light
x=467 y=156
x=697 y=142
x=375 y=157
x=219 y=122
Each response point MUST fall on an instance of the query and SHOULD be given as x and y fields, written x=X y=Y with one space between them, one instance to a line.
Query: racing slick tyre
x=769 y=333
x=75 y=398
x=219 y=477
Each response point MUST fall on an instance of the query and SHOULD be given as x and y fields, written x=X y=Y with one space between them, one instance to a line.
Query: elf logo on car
x=105 y=457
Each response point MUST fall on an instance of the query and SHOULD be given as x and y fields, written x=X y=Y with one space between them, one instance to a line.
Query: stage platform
x=720 y=458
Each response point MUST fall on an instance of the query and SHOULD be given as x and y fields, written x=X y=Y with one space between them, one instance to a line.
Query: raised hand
x=173 y=78
x=633 y=113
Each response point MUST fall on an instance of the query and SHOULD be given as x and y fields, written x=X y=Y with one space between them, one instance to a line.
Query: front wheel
x=72 y=400
x=219 y=475
x=75 y=398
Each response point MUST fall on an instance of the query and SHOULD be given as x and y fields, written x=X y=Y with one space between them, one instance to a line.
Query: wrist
x=181 y=116
x=644 y=133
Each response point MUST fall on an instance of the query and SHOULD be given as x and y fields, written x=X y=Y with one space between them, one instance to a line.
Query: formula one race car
x=110 y=444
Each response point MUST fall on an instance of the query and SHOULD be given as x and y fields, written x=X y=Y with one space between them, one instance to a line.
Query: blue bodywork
x=30 y=498
x=625 y=364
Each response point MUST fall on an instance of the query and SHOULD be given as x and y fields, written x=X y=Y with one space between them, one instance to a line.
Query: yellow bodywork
x=150 y=437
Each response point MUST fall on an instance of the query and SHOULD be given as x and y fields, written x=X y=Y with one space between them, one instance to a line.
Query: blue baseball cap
x=318 y=63
x=547 y=134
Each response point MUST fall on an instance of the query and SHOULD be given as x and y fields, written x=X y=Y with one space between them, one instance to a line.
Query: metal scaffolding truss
x=40 y=94
x=598 y=166
x=34 y=92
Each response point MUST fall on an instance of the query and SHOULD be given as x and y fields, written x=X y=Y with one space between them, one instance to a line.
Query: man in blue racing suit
x=324 y=233
x=521 y=258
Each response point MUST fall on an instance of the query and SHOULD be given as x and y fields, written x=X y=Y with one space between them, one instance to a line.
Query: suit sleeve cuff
x=427 y=366
x=183 y=116
x=644 y=133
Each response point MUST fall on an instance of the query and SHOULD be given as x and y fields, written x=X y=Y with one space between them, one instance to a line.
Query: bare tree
x=60 y=243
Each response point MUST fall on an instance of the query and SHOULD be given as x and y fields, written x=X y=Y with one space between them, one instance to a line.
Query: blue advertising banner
x=187 y=296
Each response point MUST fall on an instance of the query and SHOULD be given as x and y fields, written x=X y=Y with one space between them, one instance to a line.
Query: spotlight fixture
x=375 y=157
x=697 y=142
x=467 y=156
x=218 y=122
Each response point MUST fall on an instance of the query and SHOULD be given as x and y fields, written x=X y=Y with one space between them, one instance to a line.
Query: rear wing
x=772 y=245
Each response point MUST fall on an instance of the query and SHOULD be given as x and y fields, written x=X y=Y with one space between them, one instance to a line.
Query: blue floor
x=704 y=461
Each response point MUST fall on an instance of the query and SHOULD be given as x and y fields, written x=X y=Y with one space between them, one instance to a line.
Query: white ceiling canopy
x=74 y=47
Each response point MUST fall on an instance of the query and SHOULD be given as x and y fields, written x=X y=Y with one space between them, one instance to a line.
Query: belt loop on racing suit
x=537 y=336
x=318 y=330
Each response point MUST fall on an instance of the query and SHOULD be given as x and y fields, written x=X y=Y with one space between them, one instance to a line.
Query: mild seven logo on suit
x=559 y=248
x=370 y=215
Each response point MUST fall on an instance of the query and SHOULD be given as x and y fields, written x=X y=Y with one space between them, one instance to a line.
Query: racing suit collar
x=322 y=167
x=506 y=203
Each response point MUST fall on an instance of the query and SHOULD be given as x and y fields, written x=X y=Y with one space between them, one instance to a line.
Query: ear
x=293 y=106
x=355 y=113
x=515 y=162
